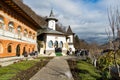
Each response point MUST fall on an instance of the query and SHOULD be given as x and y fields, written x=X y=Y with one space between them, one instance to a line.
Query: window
x=61 y=44
x=33 y=49
x=30 y=34
x=69 y=39
x=33 y=35
x=1 y=48
x=19 y=29
x=24 y=49
x=56 y=44
x=9 y=48
x=29 y=50
x=1 y=22
x=25 y=33
x=50 y=44
x=10 y=26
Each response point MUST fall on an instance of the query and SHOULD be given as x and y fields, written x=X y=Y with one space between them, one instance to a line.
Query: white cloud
x=84 y=18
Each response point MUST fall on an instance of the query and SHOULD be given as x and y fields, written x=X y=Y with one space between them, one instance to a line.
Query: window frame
x=10 y=26
x=25 y=33
x=50 y=44
x=9 y=48
x=61 y=44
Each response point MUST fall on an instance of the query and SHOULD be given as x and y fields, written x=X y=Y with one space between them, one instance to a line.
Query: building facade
x=54 y=42
x=20 y=27
x=18 y=30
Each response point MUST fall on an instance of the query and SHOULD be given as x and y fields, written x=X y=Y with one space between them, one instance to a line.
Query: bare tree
x=109 y=38
x=118 y=25
x=114 y=24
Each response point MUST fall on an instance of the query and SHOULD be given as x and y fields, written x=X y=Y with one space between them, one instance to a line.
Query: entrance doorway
x=18 y=50
x=24 y=50
x=58 y=50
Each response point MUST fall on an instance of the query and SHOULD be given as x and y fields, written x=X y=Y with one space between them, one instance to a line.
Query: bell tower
x=51 y=21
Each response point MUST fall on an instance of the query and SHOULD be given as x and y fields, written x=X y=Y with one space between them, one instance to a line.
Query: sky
x=87 y=18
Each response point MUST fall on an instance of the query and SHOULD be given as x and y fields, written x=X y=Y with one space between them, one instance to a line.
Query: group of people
x=33 y=53
x=81 y=52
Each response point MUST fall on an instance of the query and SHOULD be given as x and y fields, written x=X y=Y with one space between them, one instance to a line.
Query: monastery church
x=23 y=31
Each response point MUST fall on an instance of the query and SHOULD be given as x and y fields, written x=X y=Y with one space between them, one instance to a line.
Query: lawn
x=81 y=70
x=58 y=54
x=8 y=72
x=88 y=71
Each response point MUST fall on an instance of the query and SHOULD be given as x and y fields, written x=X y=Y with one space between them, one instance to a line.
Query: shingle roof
x=69 y=30
x=38 y=19
x=49 y=31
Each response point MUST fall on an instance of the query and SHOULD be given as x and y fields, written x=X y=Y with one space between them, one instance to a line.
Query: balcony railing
x=16 y=36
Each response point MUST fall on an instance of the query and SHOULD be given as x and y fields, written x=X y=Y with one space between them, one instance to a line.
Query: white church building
x=52 y=42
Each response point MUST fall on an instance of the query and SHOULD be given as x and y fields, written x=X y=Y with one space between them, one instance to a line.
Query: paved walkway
x=56 y=69
x=11 y=60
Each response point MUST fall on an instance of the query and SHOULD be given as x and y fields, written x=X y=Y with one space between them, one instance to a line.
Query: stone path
x=56 y=69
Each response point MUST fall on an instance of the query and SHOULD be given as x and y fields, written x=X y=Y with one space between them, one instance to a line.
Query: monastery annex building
x=21 y=29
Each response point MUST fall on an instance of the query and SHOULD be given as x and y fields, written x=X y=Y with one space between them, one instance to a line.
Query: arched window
x=9 y=48
x=50 y=44
x=56 y=44
x=25 y=33
x=33 y=35
x=19 y=30
x=29 y=50
x=33 y=49
x=61 y=44
x=1 y=48
x=24 y=50
x=30 y=34
x=10 y=26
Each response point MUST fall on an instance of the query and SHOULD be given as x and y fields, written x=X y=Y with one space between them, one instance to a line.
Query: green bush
x=88 y=60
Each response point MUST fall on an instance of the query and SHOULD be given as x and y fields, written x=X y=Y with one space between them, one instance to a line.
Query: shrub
x=88 y=60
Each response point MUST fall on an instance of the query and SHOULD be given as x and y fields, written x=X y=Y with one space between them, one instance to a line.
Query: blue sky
x=88 y=18
x=91 y=1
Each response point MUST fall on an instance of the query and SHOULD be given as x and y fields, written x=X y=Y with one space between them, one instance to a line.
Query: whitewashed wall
x=55 y=38
x=51 y=24
x=70 y=40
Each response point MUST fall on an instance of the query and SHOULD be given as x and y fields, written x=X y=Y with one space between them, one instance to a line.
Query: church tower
x=51 y=21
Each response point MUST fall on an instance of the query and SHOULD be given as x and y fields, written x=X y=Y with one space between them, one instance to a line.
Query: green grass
x=58 y=54
x=8 y=72
x=87 y=71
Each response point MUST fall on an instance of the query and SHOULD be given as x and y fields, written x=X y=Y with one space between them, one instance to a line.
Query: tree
x=114 y=24
x=77 y=42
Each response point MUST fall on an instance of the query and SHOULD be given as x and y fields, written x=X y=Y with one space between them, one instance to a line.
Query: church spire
x=52 y=16
x=51 y=13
